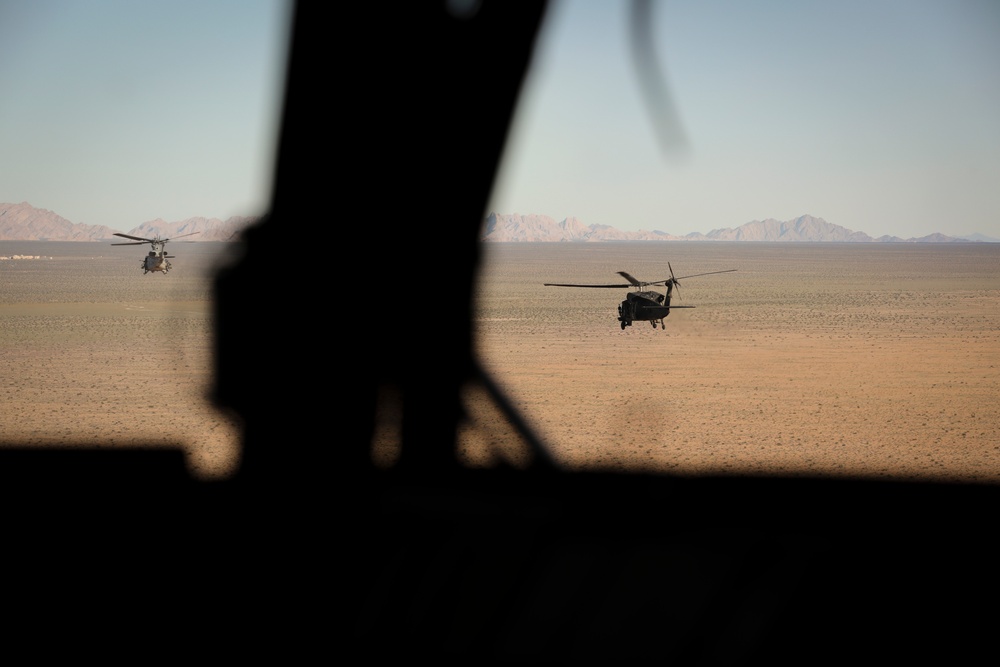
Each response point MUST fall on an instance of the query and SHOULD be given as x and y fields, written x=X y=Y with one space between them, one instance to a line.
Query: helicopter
x=157 y=259
x=645 y=305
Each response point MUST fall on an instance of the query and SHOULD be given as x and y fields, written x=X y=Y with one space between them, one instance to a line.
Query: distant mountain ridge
x=207 y=229
x=805 y=228
x=24 y=222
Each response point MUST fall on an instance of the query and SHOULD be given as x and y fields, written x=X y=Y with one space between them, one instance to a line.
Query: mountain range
x=24 y=222
x=805 y=228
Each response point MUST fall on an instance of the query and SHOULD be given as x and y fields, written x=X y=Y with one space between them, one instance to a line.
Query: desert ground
x=835 y=360
x=95 y=353
x=877 y=361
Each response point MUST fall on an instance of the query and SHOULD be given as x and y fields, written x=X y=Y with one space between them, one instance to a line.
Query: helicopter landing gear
x=625 y=322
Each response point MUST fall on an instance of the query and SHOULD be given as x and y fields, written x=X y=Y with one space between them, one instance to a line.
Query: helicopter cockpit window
x=857 y=336
x=153 y=120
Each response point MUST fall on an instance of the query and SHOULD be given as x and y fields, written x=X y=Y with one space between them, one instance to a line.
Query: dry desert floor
x=871 y=360
x=95 y=353
x=841 y=360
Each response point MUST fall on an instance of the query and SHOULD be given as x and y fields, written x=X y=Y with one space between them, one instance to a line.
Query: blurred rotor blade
x=707 y=274
x=576 y=285
x=129 y=236
x=653 y=83
x=631 y=279
x=179 y=237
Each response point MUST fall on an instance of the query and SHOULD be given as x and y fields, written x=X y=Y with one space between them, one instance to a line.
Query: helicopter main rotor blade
x=632 y=282
x=635 y=282
x=666 y=281
x=180 y=237
x=632 y=279
x=133 y=243
x=676 y=281
x=576 y=285
x=705 y=274
x=134 y=238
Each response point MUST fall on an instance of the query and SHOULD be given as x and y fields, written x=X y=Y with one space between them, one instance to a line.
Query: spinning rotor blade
x=634 y=282
x=676 y=282
x=138 y=239
x=701 y=274
x=631 y=279
x=180 y=237
x=666 y=281
x=575 y=285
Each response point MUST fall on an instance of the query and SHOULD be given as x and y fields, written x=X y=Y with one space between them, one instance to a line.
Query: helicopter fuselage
x=644 y=306
x=155 y=262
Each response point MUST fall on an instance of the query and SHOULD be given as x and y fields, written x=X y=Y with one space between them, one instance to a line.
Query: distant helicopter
x=644 y=305
x=157 y=259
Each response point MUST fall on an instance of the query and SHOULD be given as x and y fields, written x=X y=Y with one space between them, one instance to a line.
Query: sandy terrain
x=857 y=360
x=860 y=360
x=97 y=354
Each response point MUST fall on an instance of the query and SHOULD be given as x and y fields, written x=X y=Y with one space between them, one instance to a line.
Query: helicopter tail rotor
x=673 y=282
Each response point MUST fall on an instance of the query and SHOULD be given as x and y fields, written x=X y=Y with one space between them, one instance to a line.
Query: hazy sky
x=882 y=116
x=120 y=112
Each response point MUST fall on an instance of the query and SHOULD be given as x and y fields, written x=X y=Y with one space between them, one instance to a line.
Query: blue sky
x=881 y=116
x=116 y=112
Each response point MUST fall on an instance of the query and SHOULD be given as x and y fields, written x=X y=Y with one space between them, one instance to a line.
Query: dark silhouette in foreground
x=310 y=550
